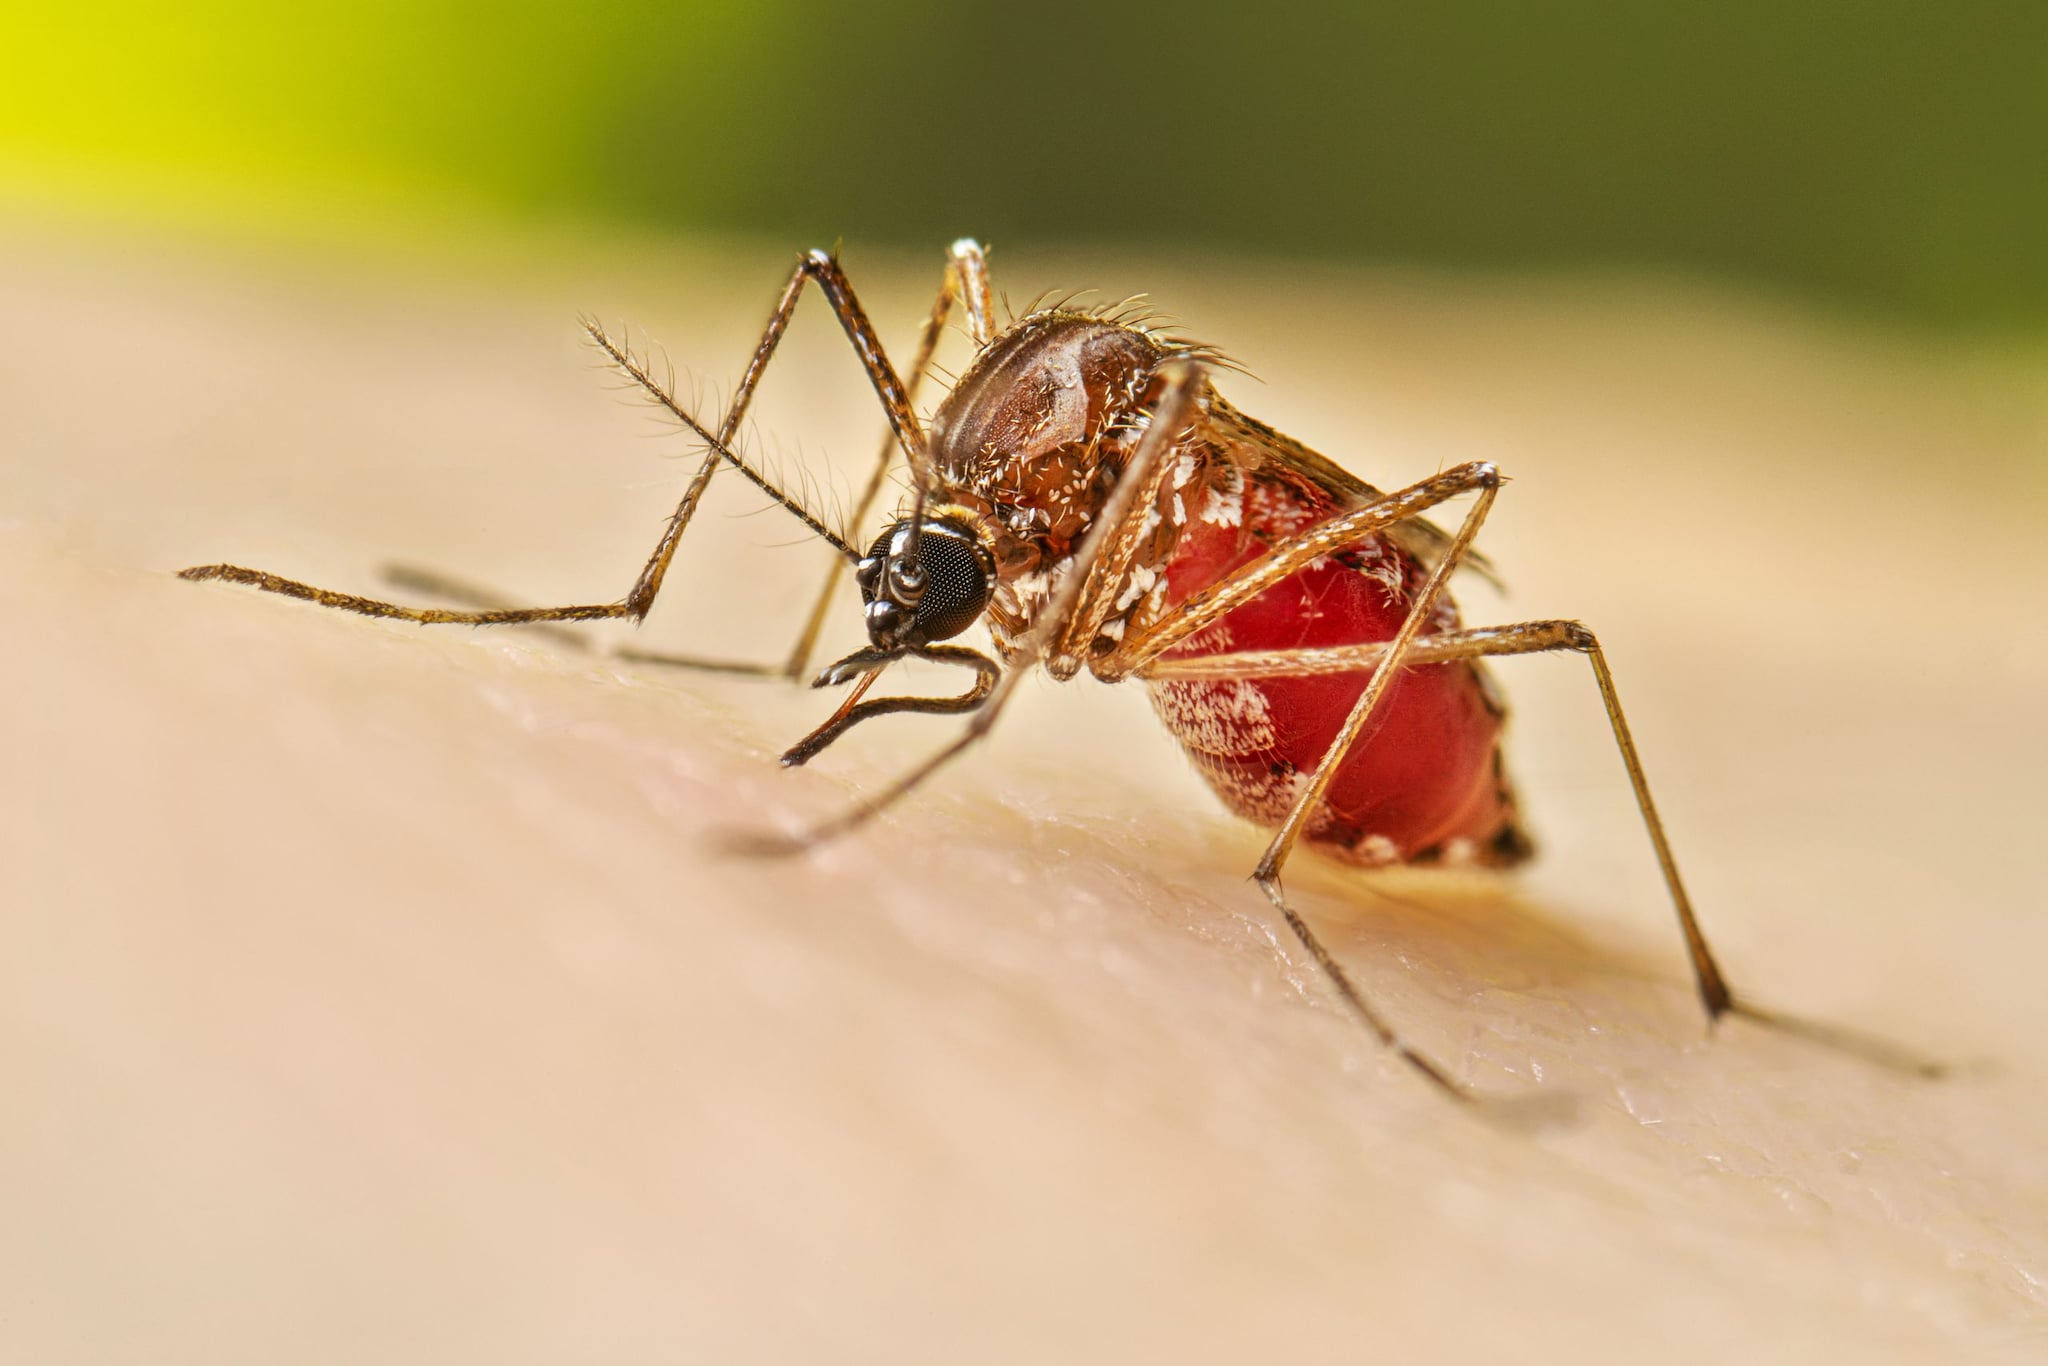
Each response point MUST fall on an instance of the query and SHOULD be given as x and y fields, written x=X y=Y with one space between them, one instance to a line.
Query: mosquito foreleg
x=1183 y=381
x=815 y=266
x=966 y=283
x=374 y=607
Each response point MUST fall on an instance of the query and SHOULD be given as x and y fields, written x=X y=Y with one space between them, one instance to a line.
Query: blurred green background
x=1884 y=158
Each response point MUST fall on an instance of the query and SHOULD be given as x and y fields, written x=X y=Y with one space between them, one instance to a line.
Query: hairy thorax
x=1033 y=439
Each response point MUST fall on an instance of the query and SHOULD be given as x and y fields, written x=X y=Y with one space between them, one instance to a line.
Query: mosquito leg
x=815 y=266
x=1534 y=637
x=966 y=279
x=1183 y=381
x=487 y=615
x=1267 y=873
x=1283 y=561
x=1352 y=997
x=967 y=266
x=461 y=593
x=1142 y=650
x=1529 y=637
x=966 y=282
x=437 y=585
x=373 y=607
x=1247 y=583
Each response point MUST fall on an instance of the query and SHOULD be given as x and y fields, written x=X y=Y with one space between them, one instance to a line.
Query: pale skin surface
x=377 y=993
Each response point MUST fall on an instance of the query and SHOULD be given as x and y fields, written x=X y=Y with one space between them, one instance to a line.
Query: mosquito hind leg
x=1536 y=637
x=1143 y=652
x=1267 y=873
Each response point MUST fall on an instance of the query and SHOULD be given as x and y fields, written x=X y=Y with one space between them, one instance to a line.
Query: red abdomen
x=1425 y=782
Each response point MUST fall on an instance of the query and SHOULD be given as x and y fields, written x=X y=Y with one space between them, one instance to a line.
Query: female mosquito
x=1086 y=493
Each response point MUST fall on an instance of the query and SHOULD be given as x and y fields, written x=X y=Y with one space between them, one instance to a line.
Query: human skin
x=375 y=993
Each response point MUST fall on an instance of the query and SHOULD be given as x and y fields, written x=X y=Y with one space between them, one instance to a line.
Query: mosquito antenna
x=663 y=395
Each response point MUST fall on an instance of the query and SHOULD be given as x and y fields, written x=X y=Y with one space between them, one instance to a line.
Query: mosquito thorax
x=924 y=580
x=1031 y=429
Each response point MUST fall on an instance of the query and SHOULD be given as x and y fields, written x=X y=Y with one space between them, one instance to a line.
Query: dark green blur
x=1883 y=158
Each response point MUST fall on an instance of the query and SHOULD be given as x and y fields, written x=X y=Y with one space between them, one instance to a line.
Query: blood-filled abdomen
x=1425 y=782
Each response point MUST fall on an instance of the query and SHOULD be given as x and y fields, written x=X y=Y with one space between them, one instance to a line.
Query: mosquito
x=1086 y=493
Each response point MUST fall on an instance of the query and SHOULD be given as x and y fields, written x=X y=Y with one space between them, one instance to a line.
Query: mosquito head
x=925 y=581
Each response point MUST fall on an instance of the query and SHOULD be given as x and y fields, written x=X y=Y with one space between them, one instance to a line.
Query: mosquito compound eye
x=959 y=576
x=932 y=593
